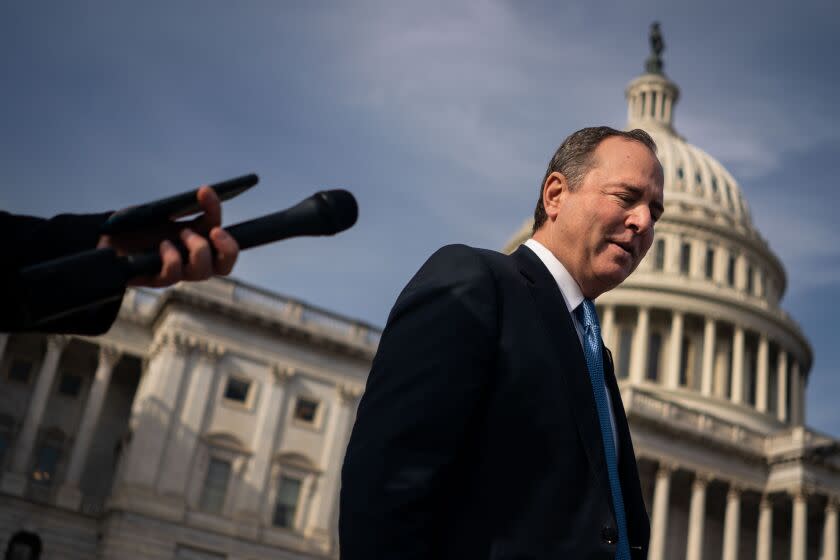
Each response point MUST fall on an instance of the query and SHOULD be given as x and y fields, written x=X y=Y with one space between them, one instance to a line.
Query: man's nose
x=640 y=220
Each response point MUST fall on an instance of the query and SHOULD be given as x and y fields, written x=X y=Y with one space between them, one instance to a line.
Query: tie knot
x=586 y=314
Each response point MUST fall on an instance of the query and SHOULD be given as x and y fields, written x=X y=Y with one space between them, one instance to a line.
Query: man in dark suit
x=492 y=426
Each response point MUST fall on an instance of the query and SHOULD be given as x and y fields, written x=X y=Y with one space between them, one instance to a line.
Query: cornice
x=182 y=342
x=286 y=325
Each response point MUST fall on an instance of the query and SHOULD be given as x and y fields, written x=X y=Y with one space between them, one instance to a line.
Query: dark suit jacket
x=477 y=436
x=29 y=240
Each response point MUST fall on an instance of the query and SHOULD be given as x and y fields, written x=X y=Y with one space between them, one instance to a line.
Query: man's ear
x=554 y=189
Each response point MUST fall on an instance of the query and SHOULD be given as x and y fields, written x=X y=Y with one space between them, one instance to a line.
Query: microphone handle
x=292 y=222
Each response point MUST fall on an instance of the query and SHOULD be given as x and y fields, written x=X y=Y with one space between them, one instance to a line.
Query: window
x=710 y=263
x=215 y=486
x=680 y=173
x=306 y=410
x=686 y=372
x=625 y=342
x=730 y=271
x=19 y=370
x=698 y=178
x=685 y=258
x=237 y=389
x=654 y=350
x=70 y=384
x=773 y=382
x=750 y=374
x=288 y=494
x=714 y=185
x=46 y=462
x=750 y=280
x=659 y=255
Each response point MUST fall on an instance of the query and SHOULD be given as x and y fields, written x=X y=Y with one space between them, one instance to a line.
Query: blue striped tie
x=594 y=362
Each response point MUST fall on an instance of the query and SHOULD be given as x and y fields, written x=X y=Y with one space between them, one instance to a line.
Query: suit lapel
x=558 y=323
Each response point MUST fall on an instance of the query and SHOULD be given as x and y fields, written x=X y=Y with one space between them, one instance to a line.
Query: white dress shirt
x=573 y=297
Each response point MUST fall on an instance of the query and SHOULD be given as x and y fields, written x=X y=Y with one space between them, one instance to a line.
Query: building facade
x=211 y=421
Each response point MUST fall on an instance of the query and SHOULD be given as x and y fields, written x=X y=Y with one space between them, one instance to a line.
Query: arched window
x=625 y=343
x=710 y=262
x=654 y=355
x=659 y=254
x=293 y=479
x=730 y=270
x=223 y=460
x=685 y=258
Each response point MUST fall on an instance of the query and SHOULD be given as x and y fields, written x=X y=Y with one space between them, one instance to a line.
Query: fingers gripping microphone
x=323 y=213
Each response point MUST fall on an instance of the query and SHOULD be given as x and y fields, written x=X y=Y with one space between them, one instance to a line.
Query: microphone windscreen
x=342 y=211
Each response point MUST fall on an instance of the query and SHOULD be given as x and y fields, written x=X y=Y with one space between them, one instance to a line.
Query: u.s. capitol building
x=211 y=421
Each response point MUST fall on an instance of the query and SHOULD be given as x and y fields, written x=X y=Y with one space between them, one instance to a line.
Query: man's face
x=601 y=230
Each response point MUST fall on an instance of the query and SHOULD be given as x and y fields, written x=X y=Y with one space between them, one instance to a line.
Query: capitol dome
x=712 y=370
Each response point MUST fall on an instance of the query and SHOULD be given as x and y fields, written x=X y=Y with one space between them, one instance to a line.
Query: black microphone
x=73 y=283
x=323 y=213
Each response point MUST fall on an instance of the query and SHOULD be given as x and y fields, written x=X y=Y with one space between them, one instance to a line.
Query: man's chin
x=610 y=279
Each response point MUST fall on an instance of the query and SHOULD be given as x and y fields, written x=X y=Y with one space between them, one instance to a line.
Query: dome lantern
x=651 y=97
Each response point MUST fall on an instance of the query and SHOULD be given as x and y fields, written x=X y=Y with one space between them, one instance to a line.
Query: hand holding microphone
x=137 y=247
x=209 y=249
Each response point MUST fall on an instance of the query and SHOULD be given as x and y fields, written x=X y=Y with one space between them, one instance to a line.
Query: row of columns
x=16 y=479
x=161 y=380
x=732 y=522
x=642 y=106
x=639 y=352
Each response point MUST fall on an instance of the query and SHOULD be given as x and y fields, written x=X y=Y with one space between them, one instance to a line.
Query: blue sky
x=439 y=116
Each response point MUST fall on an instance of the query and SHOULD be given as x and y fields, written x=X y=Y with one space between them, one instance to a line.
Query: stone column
x=829 y=539
x=737 y=367
x=696 y=518
x=659 y=525
x=698 y=260
x=271 y=410
x=797 y=388
x=179 y=457
x=781 y=384
x=335 y=442
x=638 y=355
x=69 y=495
x=708 y=357
x=764 y=539
x=152 y=412
x=762 y=375
x=675 y=350
x=741 y=272
x=799 y=530
x=732 y=524
x=660 y=110
x=15 y=482
x=608 y=326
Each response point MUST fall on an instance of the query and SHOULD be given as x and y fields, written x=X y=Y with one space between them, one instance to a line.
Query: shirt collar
x=569 y=289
